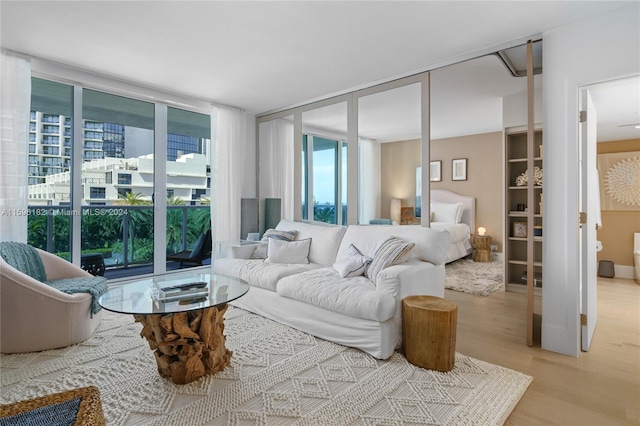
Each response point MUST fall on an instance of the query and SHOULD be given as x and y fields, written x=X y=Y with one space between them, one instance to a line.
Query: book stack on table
x=171 y=291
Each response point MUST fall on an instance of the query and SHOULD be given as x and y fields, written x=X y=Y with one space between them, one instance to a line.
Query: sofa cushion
x=353 y=265
x=391 y=252
x=266 y=275
x=324 y=288
x=430 y=244
x=288 y=251
x=325 y=239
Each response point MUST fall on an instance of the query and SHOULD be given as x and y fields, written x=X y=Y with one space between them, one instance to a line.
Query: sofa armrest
x=410 y=278
x=240 y=251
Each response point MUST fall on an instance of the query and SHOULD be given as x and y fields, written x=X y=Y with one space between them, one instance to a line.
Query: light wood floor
x=600 y=387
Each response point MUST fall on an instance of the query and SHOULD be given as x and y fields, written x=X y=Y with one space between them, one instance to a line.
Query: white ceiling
x=263 y=56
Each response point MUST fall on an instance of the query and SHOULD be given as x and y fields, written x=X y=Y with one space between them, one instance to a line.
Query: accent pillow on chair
x=198 y=247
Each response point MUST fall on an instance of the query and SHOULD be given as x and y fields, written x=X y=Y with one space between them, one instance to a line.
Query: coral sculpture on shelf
x=523 y=179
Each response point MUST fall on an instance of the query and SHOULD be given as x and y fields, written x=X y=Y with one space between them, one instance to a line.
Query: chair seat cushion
x=96 y=286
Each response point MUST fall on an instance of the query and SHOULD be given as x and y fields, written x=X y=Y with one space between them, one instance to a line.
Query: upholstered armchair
x=35 y=316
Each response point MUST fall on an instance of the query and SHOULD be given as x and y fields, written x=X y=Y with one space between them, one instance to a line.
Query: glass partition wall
x=338 y=143
x=324 y=165
x=277 y=167
x=390 y=149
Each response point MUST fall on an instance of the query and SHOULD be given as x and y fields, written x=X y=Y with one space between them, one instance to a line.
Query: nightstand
x=482 y=244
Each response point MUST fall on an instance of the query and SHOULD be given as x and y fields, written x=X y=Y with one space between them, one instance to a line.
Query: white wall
x=583 y=53
x=514 y=107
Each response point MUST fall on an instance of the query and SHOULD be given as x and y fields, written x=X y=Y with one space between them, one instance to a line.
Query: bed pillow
x=353 y=264
x=281 y=251
x=392 y=252
x=261 y=250
x=448 y=213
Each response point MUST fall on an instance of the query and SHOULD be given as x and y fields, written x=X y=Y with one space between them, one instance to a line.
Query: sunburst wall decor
x=619 y=181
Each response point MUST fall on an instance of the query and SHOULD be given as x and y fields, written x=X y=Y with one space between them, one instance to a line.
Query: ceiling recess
x=515 y=59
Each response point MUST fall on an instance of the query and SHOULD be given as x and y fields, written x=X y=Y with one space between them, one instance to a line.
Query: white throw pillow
x=261 y=250
x=353 y=264
x=392 y=252
x=288 y=251
x=448 y=213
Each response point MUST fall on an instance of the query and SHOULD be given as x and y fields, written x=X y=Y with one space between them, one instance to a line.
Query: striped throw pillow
x=392 y=252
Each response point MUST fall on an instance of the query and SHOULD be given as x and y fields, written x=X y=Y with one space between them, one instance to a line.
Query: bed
x=456 y=213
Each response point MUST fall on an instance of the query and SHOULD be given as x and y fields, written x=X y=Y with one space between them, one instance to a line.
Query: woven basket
x=89 y=413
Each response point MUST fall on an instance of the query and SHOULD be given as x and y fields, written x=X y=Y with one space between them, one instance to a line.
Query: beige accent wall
x=618 y=227
x=484 y=175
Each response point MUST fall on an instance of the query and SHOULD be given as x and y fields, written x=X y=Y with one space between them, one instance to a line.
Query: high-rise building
x=109 y=147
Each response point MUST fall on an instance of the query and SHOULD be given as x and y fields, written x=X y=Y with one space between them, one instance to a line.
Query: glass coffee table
x=185 y=332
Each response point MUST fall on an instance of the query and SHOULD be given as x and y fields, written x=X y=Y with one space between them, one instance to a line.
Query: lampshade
x=482 y=230
x=396 y=205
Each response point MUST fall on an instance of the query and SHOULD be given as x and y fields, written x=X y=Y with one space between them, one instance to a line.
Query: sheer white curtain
x=369 y=180
x=15 y=101
x=276 y=163
x=230 y=164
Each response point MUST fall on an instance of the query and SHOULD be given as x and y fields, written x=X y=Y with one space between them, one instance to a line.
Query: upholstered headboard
x=468 y=205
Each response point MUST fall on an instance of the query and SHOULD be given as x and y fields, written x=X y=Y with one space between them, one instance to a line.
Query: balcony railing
x=122 y=234
x=325 y=213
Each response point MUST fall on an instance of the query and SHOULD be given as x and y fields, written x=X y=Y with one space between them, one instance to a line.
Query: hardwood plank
x=600 y=387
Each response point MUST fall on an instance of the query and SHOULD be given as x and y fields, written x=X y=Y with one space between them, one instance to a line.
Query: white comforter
x=459 y=231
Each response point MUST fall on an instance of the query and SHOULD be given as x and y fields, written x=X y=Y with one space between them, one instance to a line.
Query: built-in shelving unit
x=518 y=213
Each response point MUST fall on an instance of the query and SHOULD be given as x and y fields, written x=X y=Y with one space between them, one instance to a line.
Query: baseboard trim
x=623 y=271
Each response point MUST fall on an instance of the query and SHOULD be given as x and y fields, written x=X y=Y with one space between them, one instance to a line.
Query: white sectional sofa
x=314 y=298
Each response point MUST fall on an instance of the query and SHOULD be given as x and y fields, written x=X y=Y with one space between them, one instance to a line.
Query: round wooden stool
x=429 y=332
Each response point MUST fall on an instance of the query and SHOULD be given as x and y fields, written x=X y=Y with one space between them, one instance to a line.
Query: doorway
x=610 y=124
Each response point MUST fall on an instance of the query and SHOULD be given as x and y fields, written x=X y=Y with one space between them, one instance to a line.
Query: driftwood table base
x=187 y=345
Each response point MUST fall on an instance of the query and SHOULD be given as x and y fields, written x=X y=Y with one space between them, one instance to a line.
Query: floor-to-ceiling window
x=118 y=146
x=109 y=174
x=50 y=154
x=188 y=178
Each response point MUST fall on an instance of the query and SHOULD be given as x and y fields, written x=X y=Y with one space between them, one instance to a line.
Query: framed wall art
x=435 y=171
x=459 y=169
x=520 y=229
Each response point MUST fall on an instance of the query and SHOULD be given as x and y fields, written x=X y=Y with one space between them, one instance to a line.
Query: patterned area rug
x=481 y=278
x=278 y=376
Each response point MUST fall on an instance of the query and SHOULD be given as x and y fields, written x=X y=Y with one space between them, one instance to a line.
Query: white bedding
x=459 y=231
x=460 y=244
